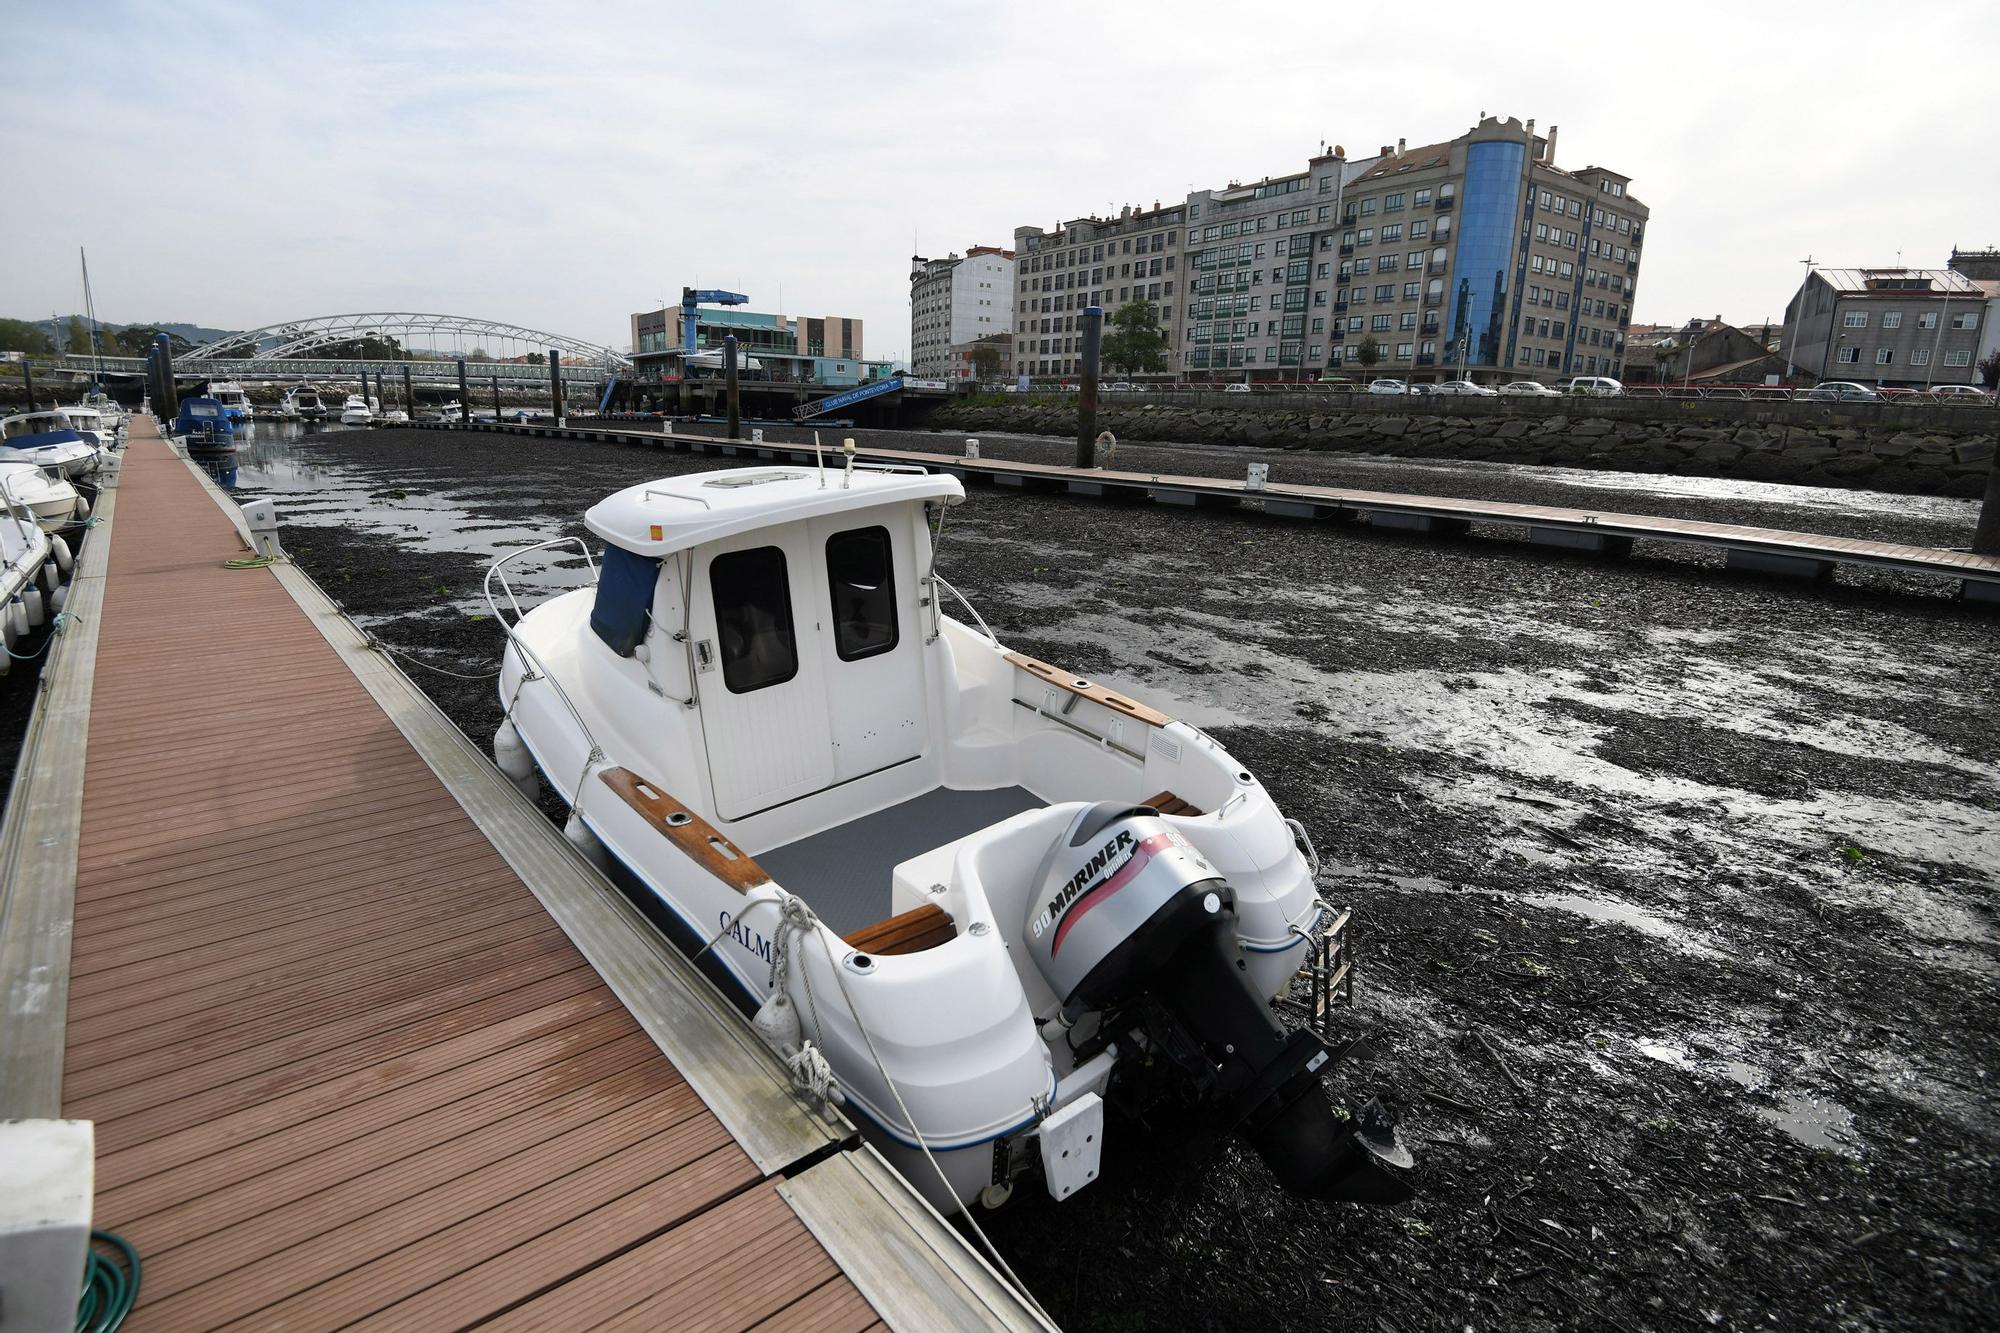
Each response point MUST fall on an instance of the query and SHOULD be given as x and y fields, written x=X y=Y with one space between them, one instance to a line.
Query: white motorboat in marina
x=356 y=412
x=302 y=402
x=91 y=426
x=33 y=567
x=52 y=499
x=109 y=410
x=47 y=440
x=395 y=416
x=979 y=897
x=236 y=404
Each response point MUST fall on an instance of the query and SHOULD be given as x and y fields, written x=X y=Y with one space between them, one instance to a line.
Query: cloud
x=563 y=166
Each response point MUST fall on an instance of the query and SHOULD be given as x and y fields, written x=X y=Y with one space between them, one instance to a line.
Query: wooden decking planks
x=344 y=1067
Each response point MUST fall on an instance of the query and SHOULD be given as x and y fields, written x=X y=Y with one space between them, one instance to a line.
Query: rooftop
x=1897 y=281
x=657 y=518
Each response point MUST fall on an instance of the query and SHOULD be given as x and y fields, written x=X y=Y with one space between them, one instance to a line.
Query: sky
x=562 y=165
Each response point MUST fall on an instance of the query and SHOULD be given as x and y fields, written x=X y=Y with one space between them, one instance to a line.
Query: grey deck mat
x=844 y=873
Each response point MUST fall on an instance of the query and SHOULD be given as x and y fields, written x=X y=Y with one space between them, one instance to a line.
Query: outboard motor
x=1130 y=921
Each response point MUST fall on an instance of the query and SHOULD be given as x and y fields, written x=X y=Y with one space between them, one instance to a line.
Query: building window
x=1379 y=323
x=1854 y=319
x=753 y=618
x=1967 y=320
x=1422 y=198
x=1849 y=356
x=1962 y=357
x=1883 y=356
x=1402 y=351
x=1892 y=319
x=1920 y=357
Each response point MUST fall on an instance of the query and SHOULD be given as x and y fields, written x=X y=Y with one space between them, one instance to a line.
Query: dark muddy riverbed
x=1675 y=890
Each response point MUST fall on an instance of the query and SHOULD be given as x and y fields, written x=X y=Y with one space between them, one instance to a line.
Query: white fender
x=510 y=753
x=51 y=577
x=777 y=1022
x=31 y=601
x=17 y=620
x=580 y=837
x=82 y=506
x=58 y=600
x=64 y=560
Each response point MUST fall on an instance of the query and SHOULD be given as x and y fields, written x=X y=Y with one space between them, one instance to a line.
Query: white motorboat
x=91 y=426
x=47 y=440
x=355 y=411
x=109 y=409
x=303 y=403
x=449 y=414
x=33 y=567
x=982 y=895
x=52 y=499
x=395 y=416
x=236 y=404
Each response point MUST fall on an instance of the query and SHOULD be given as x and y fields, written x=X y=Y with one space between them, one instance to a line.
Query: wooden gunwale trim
x=687 y=830
x=1088 y=689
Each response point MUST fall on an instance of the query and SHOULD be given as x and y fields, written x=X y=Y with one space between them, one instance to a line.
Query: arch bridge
x=428 y=345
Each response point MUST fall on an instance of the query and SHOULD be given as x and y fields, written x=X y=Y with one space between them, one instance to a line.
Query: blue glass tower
x=1485 y=257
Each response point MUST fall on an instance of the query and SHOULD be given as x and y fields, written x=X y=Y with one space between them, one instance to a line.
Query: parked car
x=1969 y=392
x=1388 y=387
x=1528 y=389
x=1463 y=389
x=1118 y=386
x=1839 y=391
x=1236 y=388
x=1593 y=386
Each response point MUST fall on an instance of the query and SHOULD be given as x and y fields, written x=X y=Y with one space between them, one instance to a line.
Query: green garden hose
x=108 y=1290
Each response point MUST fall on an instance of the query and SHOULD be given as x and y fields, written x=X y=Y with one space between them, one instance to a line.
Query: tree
x=76 y=335
x=136 y=339
x=1989 y=370
x=18 y=335
x=1369 y=352
x=985 y=361
x=1136 y=341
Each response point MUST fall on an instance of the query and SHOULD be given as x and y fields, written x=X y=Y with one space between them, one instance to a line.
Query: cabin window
x=753 y=618
x=863 y=584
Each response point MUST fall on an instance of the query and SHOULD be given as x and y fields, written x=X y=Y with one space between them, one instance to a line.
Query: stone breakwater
x=1921 y=451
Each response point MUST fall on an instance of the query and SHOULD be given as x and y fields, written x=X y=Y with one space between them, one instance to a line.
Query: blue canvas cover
x=624 y=598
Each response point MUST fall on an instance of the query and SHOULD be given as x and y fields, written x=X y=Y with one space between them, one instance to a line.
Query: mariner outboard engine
x=1128 y=920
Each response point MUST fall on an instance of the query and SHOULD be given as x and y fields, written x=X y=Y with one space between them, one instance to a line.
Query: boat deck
x=351 y=1057
x=845 y=872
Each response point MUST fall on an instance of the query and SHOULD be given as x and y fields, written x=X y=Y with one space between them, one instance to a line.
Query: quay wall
x=1913 y=450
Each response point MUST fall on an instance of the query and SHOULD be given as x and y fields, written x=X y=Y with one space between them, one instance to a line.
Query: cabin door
x=871 y=647
x=758 y=672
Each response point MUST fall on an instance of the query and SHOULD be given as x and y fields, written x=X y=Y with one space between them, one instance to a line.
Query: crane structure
x=692 y=297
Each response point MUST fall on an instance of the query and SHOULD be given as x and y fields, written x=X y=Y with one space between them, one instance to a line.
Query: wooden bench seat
x=1169 y=804
x=913 y=931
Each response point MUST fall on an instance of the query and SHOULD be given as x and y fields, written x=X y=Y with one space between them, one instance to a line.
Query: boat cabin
x=31 y=430
x=794 y=597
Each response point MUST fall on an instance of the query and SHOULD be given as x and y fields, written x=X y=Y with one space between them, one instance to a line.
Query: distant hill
x=56 y=326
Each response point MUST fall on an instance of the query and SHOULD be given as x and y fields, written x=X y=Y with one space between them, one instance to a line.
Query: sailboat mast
x=90 y=313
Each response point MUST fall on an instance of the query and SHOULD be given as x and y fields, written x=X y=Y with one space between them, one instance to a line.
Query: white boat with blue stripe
x=50 y=442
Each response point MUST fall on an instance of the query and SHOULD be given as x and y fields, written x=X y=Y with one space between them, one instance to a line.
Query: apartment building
x=1263 y=272
x=1897 y=327
x=1060 y=272
x=956 y=301
x=1475 y=256
x=1480 y=258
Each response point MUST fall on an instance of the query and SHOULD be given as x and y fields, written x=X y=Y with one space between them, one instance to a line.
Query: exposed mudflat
x=1675 y=890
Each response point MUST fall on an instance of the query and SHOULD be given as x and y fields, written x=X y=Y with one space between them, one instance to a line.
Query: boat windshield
x=35 y=424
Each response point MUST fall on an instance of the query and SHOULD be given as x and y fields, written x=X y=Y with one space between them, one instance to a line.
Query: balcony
x=1346 y=250
x=1339 y=306
x=1444 y=203
x=1426 y=358
x=1632 y=264
x=1339 y=335
x=1439 y=265
x=1429 y=330
x=1433 y=298
x=1347 y=219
